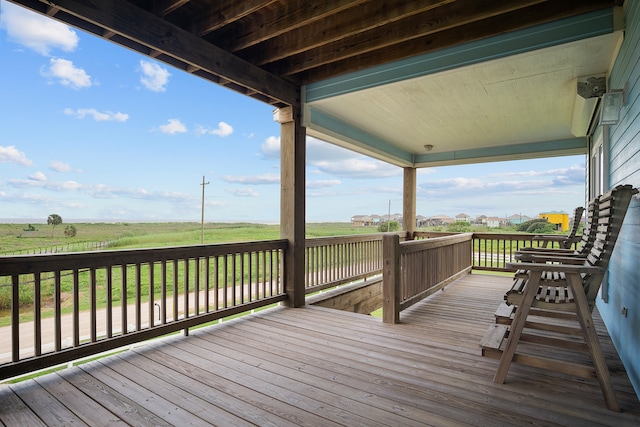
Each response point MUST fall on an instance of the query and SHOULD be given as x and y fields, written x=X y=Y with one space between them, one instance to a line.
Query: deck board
x=321 y=367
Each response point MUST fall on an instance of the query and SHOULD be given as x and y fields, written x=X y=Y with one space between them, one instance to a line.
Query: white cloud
x=98 y=116
x=323 y=183
x=59 y=166
x=360 y=167
x=244 y=192
x=271 y=147
x=267 y=178
x=68 y=74
x=173 y=126
x=10 y=154
x=223 y=129
x=38 y=176
x=154 y=77
x=36 y=32
x=333 y=160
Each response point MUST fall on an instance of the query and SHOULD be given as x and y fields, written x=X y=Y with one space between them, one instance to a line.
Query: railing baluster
x=15 y=318
x=207 y=284
x=109 y=302
x=176 y=290
x=124 y=305
x=76 y=308
x=151 y=296
x=37 y=314
x=138 y=285
x=57 y=310
x=163 y=292
x=196 y=286
x=93 y=305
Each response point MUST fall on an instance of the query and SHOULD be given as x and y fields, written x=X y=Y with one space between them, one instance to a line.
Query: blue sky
x=94 y=132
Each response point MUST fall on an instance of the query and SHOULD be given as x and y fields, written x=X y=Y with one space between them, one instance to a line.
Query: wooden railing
x=414 y=270
x=332 y=261
x=69 y=306
x=105 y=300
x=491 y=251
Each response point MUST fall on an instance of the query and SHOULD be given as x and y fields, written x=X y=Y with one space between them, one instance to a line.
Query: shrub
x=541 y=228
x=526 y=225
x=389 y=226
x=459 y=227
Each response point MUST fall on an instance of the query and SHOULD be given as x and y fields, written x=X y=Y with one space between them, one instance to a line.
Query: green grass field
x=15 y=239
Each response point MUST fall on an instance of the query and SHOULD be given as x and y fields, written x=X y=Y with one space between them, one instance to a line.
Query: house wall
x=624 y=168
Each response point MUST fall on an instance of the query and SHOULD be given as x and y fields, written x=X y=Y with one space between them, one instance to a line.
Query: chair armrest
x=562 y=268
x=550 y=257
x=534 y=249
x=550 y=237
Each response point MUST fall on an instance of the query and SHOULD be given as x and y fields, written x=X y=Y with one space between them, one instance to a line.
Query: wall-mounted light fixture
x=612 y=103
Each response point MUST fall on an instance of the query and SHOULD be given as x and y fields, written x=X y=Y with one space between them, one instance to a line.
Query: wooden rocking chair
x=561 y=291
x=564 y=241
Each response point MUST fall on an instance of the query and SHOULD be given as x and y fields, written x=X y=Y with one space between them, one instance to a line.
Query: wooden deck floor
x=319 y=367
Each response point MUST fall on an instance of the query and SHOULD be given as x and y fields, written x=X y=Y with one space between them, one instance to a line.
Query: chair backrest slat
x=613 y=207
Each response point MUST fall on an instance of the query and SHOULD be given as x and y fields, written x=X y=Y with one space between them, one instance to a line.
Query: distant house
x=361 y=221
x=481 y=219
x=463 y=217
x=518 y=219
x=441 y=220
x=495 y=222
x=558 y=218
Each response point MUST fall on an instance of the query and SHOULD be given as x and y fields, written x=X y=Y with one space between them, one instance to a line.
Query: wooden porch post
x=409 y=202
x=292 y=201
x=390 y=278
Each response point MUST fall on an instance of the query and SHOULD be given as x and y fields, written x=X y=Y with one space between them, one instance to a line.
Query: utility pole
x=202 y=220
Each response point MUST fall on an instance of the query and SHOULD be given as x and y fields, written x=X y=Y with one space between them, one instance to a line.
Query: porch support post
x=292 y=201
x=391 y=278
x=409 y=202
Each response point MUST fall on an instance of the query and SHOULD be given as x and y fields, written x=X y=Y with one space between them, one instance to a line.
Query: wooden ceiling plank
x=153 y=32
x=273 y=23
x=165 y=7
x=424 y=24
x=350 y=22
x=513 y=21
x=227 y=12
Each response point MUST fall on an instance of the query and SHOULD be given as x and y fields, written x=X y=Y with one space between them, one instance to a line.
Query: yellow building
x=558 y=218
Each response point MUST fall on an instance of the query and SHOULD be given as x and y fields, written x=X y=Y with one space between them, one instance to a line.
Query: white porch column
x=292 y=201
x=409 y=202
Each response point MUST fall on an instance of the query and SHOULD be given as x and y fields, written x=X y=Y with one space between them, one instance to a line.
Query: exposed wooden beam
x=145 y=29
x=349 y=22
x=165 y=7
x=226 y=12
x=303 y=68
x=273 y=23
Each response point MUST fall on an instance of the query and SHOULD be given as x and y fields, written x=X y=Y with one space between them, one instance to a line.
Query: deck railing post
x=391 y=278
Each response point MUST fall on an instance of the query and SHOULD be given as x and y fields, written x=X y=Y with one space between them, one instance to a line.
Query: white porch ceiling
x=518 y=106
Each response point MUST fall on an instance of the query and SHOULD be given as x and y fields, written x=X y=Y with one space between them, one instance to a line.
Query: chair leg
x=517 y=325
x=593 y=344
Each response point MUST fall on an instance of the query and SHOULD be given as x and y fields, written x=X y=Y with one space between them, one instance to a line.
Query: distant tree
x=541 y=228
x=70 y=231
x=525 y=226
x=53 y=220
x=389 y=226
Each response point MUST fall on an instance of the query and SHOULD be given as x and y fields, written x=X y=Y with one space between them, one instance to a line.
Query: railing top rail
x=18 y=264
x=332 y=240
x=435 y=242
